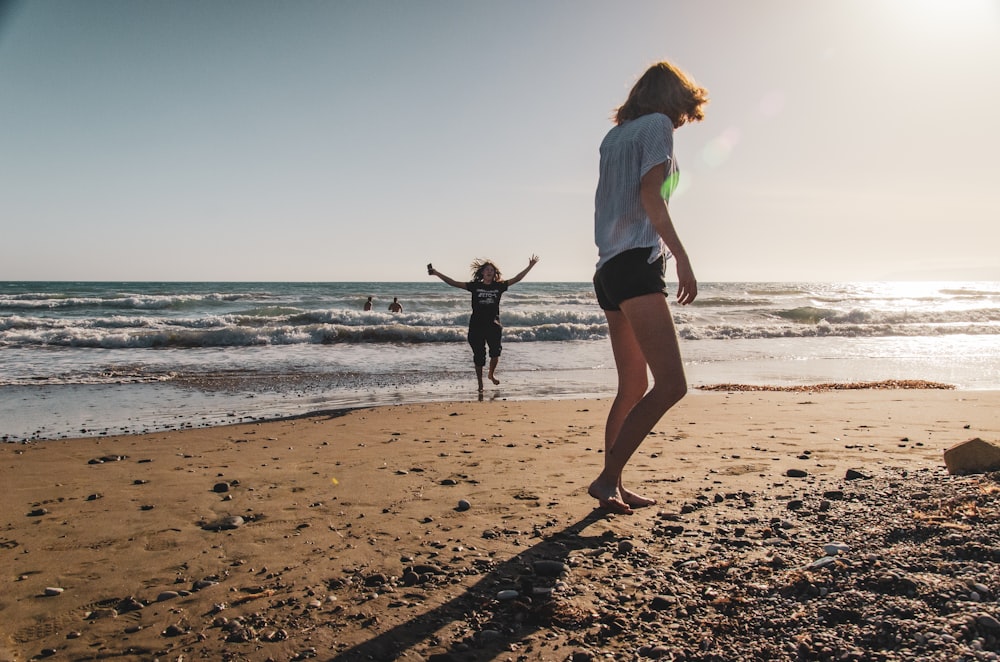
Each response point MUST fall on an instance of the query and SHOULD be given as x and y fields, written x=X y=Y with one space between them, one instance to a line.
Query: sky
x=358 y=140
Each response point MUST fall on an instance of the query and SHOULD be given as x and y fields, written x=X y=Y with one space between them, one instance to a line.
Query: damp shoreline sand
x=390 y=532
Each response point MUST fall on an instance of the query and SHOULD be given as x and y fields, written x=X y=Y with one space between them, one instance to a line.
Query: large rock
x=972 y=457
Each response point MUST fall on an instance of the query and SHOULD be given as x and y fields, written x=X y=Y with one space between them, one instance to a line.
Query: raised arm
x=451 y=281
x=659 y=215
x=518 y=278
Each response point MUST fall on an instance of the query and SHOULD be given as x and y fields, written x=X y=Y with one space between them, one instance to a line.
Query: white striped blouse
x=628 y=152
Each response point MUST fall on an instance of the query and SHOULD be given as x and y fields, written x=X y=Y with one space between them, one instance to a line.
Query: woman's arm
x=659 y=215
x=451 y=281
x=518 y=278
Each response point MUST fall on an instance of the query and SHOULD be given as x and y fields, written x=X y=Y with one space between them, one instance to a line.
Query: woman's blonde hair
x=665 y=89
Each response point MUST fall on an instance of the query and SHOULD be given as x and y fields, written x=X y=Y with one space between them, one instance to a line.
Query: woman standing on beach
x=634 y=232
x=484 y=325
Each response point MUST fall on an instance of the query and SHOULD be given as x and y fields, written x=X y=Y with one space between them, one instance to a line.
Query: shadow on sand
x=495 y=624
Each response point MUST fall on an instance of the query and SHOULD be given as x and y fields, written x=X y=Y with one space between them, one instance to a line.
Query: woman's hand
x=524 y=272
x=687 y=285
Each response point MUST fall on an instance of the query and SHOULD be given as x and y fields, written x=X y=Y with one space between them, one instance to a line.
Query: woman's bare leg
x=642 y=334
x=632 y=385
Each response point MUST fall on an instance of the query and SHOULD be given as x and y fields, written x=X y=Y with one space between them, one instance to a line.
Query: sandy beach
x=463 y=531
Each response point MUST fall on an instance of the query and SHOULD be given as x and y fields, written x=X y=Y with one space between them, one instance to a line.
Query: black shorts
x=629 y=275
x=482 y=334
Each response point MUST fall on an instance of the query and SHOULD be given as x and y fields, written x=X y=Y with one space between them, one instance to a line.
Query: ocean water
x=83 y=359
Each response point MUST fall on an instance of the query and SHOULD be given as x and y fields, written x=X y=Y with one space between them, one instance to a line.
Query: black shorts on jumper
x=483 y=334
x=629 y=275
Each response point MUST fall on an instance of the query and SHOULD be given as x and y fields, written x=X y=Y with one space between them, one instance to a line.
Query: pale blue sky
x=358 y=140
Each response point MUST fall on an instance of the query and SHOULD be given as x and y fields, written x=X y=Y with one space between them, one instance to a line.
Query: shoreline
x=138 y=423
x=343 y=535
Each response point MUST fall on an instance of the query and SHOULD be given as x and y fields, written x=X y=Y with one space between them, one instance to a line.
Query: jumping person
x=635 y=236
x=486 y=287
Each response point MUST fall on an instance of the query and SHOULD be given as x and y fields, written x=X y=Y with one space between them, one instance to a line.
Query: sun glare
x=948 y=16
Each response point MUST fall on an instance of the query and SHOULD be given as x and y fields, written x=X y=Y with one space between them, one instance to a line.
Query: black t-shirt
x=485 y=301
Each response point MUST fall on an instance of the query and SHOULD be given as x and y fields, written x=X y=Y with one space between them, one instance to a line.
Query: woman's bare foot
x=609 y=499
x=635 y=500
x=496 y=382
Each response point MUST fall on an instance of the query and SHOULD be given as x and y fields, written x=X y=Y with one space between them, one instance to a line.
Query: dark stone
x=426 y=569
x=548 y=568
x=376 y=580
x=662 y=602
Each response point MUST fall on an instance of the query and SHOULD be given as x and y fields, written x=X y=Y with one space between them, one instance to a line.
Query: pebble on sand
x=225 y=524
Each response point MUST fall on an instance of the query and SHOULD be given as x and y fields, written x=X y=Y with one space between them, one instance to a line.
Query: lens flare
x=718 y=150
x=669 y=186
